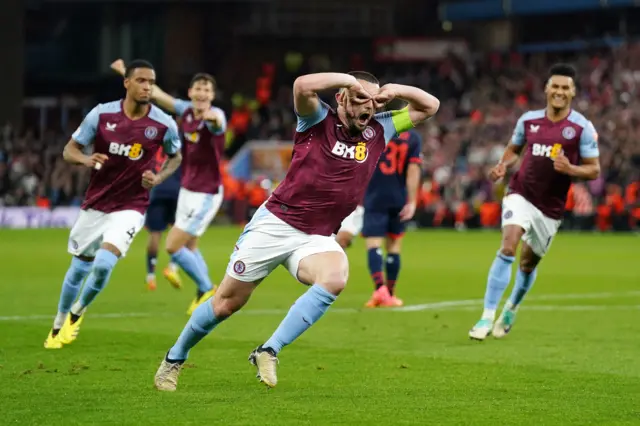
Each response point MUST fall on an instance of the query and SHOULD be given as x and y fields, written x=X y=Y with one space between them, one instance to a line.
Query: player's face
x=201 y=94
x=358 y=114
x=560 y=91
x=139 y=85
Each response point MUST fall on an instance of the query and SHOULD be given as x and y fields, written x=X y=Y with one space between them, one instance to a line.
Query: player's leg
x=395 y=233
x=84 y=237
x=153 y=244
x=250 y=263
x=392 y=266
x=231 y=295
x=525 y=277
x=322 y=264
x=195 y=212
x=374 y=230
x=170 y=272
x=516 y=221
x=534 y=247
x=119 y=231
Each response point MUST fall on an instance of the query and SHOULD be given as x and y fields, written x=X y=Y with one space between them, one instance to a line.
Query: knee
x=344 y=242
x=333 y=281
x=508 y=250
x=224 y=307
x=101 y=268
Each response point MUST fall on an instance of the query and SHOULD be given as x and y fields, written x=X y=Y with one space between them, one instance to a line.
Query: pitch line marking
x=451 y=305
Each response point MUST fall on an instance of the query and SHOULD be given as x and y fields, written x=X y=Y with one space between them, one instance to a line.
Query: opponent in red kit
x=202 y=128
x=126 y=137
x=557 y=144
x=334 y=156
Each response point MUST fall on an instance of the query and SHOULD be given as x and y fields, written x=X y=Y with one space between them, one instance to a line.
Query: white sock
x=77 y=309
x=489 y=314
x=58 y=322
x=151 y=277
x=173 y=266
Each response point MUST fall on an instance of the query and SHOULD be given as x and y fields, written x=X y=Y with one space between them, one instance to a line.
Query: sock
x=102 y=266
x=189 y=263
x=152 y=259
x=392 y=270
x=374 y=256
x=201 y=323
x=497 y=282
x=305 y=311
x=524 y=282
x=73 y=280
x=201 y=261
x=172 y=266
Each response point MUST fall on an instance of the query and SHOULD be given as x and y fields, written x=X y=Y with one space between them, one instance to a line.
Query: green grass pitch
x=572 y=358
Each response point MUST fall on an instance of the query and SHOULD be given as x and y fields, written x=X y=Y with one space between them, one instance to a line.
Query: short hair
x=203 y=77
x=135 y=64
x=565 y=70
x=366 y=76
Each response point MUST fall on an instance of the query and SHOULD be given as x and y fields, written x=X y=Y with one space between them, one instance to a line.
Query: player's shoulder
x=113 y=107
x=536 y=114
x=161 y=117
x=576 y=118
x=218 y=110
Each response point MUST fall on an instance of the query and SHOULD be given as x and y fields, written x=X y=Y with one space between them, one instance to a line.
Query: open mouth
x=364 y=118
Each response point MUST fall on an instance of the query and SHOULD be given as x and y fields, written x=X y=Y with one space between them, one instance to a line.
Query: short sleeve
x=223 y=124
x=85 y=134
x=180 y=105
x=394 y=122
x=171 y=142
x=415 y=148
x=518 y=133
x=307 y=122
x=589 y=142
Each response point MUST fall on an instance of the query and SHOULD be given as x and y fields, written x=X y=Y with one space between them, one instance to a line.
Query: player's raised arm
x=81 y=138
x=159 y=96
x=422 y=105
x=306 y=88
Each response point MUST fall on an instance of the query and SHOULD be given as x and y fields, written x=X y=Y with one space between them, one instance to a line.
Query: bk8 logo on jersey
x=134 y=152
x=551 y=151
x=358 y=152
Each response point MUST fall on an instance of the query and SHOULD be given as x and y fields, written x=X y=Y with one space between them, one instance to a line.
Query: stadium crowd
x=482 y=97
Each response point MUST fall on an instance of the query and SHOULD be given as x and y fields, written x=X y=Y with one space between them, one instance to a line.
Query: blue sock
x=201 y=262
x=306 y=311
x=188 y=261
x=152 y=259
x=524 y=282
x=201 y=323
x=73 y=280
x=102 y=266
x=392 y=270
x=374 y=260
x=499 y=278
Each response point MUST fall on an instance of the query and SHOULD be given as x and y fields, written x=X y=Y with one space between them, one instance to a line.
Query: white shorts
x=93 y=228
x=196 y=210
x=267 y=242
x=353 y=223
x=539 y=229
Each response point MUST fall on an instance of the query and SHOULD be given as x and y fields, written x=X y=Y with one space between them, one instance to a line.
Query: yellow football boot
x=200 y=300
x=52 y=342
x=69 y=331
x=173 y=277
